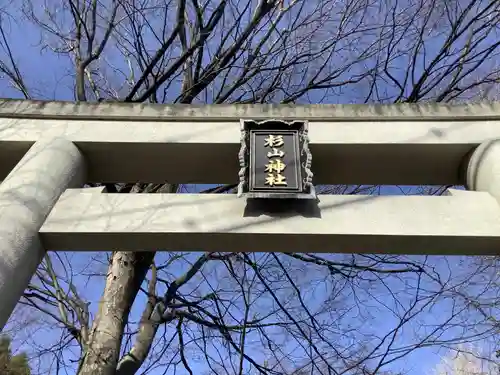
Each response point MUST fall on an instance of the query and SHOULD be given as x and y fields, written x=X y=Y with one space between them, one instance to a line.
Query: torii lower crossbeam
x=460 y=223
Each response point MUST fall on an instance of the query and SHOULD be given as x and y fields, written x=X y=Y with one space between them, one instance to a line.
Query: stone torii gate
x=48 y=150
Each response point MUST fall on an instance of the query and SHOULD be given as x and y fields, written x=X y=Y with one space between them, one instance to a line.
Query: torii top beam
x=351 y=144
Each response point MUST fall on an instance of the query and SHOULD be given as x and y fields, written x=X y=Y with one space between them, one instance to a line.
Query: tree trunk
x=126 y=272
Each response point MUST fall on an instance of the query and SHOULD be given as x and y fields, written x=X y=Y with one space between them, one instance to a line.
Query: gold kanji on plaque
x=275 y=165
x=275 y=179
x=274 y=141
x=276 y=153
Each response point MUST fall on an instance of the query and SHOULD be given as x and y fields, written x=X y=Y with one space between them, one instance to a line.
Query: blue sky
x=47 y=74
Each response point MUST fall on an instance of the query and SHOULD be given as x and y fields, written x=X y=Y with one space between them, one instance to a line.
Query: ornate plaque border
x=303 y=132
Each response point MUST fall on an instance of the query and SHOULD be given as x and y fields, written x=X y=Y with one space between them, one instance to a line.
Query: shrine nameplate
x=275 y=160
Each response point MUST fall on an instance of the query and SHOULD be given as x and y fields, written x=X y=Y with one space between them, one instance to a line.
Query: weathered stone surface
x=26 y=197
x=459 y=223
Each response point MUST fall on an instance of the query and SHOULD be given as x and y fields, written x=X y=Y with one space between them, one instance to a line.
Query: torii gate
x=49 y=149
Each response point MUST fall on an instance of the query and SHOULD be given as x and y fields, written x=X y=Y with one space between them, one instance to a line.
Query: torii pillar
x=26 y=197
x=483 y=169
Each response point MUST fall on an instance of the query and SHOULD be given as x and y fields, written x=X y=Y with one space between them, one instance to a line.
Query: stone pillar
x=483 y=169
x=27 y=195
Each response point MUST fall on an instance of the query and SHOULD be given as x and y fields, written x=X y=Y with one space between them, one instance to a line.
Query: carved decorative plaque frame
x=293 y=151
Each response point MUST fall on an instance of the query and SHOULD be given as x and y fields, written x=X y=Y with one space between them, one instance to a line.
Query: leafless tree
x=466 y=360
x=248 y=313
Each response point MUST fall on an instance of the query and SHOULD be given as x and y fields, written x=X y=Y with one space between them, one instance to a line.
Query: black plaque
x=275 y=160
